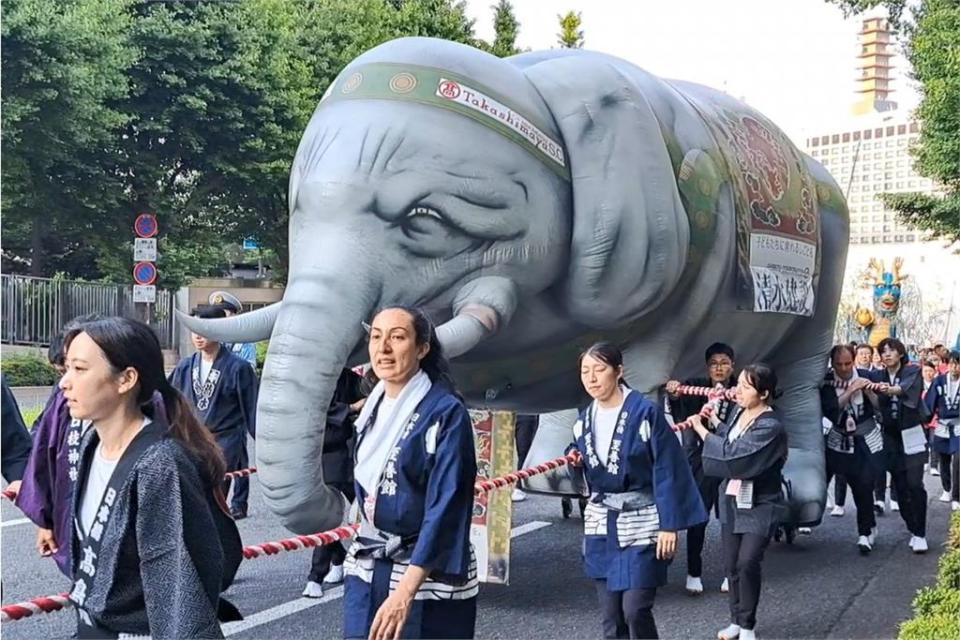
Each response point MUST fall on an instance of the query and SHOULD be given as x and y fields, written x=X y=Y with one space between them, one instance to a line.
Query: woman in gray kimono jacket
x=153 y=546
x=748 y=452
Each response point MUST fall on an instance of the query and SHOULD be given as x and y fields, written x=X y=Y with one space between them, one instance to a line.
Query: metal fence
x=36 y=309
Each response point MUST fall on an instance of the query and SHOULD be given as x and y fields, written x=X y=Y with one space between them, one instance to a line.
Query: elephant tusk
x=461 y=333
x=247 y=327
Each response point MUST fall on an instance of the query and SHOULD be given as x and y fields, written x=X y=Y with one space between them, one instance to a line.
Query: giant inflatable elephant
x=534 y=205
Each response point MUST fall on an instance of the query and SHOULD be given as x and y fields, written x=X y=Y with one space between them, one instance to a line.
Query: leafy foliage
x=571 y=35
x=932 y=39
x=28 y=371
x=506 y=27
x=190 y=110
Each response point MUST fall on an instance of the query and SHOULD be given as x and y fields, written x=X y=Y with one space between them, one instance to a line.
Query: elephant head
x=434 y=174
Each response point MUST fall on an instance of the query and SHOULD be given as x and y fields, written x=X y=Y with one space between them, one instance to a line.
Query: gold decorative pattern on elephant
x=403 y=82
x=520 y=123
x=353 y=83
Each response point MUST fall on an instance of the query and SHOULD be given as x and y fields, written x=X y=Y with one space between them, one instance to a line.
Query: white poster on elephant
x=782 y=270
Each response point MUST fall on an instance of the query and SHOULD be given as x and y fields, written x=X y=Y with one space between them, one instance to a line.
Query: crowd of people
x=125 y=478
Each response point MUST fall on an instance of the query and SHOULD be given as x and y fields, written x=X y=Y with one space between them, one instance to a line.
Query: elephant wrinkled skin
x=532 y=205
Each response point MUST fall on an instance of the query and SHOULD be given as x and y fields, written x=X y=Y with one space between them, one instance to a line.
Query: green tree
x=932 y=41
x=64 y=71
x=571 y=35
x=506 y=27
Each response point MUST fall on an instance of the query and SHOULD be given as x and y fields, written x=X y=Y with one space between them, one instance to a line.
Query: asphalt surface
x=819 y=587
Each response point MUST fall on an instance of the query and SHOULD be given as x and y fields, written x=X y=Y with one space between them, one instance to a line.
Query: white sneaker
x=894 y=505
x=729 y=632
x=747 y=634
x=313 y=590
x=945 y=496
x=863 y=543
x=694 y=586
x=872 y=538
x=919 y=545
x=518 y=495
x=806 y=531
x=934 y=471
x=955 y=506
x=837 y=512
x=335 y=576
x=725 y=588
x=878 y=506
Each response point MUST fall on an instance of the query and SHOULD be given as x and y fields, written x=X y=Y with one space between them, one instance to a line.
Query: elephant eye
x=421 y=210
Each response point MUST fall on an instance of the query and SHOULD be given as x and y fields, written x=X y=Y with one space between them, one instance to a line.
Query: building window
x=867 y=134
x=890 y=130
x=914 y=127
x=901 y=129
x=886 y=238
x=835 y=138
x=911 y=237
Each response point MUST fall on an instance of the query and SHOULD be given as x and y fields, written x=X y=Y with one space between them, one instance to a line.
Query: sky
x=793 y=60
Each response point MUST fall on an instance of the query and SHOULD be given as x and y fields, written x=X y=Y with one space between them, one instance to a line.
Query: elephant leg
x=554 y=435
x=800 y=362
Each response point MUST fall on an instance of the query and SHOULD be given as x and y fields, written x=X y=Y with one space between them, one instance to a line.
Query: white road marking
x=13 y=523
x=335 y=593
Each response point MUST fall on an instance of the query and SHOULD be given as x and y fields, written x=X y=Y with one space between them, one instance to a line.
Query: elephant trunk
x=318 y=326
x=246 y=327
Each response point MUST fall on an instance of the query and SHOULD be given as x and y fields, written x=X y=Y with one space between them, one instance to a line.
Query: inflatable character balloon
x=882 y=321
x=534 y=205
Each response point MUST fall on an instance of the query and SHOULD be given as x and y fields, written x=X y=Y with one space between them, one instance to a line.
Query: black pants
x=627 y=614
x=331 y=554
x=742 y=556
x=950 y=474
x=861 y=486
x=912 y=497
x=709 y=491
x=880 y=489
x=241 y=486
x=840 y=491
x=527 y=426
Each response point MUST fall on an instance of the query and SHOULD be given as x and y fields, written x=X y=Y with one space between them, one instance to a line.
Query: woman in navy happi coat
x=411 y=571
x=943 y=399
x=641 y=493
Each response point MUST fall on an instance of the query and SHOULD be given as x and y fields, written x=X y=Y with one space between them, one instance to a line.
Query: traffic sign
x=144 y=273
x=145 y=293
x=250 y=244
x=146 y=225
x=145 y=249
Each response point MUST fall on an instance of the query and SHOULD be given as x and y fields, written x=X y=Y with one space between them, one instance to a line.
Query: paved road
x=819 y=587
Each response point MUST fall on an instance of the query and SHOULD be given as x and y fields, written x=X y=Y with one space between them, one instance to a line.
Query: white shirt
x=101 y=470
x=205 y=367
x=604 y=424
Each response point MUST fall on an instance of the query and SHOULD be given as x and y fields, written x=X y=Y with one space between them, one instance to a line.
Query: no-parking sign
x=146 y=226
x=144 y=273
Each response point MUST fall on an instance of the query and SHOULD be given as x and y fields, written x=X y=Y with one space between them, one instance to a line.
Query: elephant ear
x=630 y=232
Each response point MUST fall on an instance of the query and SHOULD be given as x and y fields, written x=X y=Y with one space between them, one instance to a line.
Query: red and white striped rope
x=45 y=604
x=689 y=390
x=485 y=486
x=240 y=473
x=9 y=495
x=870 y=386
x=300 y=542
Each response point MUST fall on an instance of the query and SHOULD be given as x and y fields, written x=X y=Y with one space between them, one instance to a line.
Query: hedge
x=937 y=608
x=28 y=371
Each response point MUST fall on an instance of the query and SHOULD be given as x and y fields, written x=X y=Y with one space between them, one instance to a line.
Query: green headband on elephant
x=447 y=90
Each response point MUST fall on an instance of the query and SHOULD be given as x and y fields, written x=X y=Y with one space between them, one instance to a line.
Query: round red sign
x=146 y=225
x=144 y=273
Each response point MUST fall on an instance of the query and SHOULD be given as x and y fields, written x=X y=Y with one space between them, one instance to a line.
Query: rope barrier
x=688 y=390
x=486 y=486
x=45 y=604
x=300 y=542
